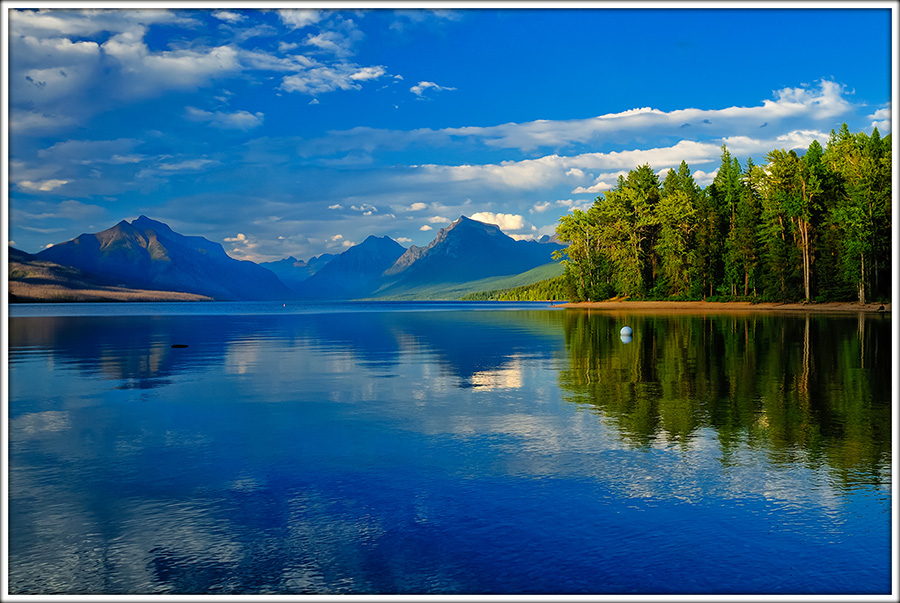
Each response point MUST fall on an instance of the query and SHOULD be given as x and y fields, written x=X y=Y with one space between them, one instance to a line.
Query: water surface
x=446 y=448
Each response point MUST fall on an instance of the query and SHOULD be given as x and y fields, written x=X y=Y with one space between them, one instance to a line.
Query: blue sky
x=288 y=131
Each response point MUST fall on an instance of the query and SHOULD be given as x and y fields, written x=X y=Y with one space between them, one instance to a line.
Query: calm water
x=446 y=448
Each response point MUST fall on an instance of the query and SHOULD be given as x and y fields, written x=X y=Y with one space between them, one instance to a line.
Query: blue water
x=439 y=448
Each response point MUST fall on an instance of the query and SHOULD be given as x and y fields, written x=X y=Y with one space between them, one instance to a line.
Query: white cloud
x=549 y=171
x=239 y=120
x=403 y=240
x=145 y=72
x=793 y=109
x=881 y=119
x=540 y=207
x=418 y=206
x=597 y=187
x=347 y=244
x=420 y=88
x=336 y=206
x=244 y=247
x=438 y=220
x=368 y=73
x=299 y=18
x=425 y=228
x=26 y=120
x=43 y=186
x=228 y=16
x=704 y=178
x=322 y=79
x=575 y=172
x=337 y=37
x=506 y=222
x=74 y=22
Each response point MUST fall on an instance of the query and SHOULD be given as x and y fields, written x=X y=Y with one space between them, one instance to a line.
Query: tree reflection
x=803 y=388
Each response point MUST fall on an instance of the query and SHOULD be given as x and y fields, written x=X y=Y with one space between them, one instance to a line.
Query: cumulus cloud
x=336 y=206
x=61 y=76
x=438 y=220
x=238 y=120
x=228 y=16
x=297 y=18
x=506 y=222
x=881 y=119
x=323 y=79
x=540 y=207
x=365 y=209
x=243 y=247
x=704 y=178
x=792 y=109
x=418 y=206
x=87 y=22
x=425 y=228
x=550 y=171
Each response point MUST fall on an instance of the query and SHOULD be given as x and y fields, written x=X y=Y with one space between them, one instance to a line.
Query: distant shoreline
x=704 y=307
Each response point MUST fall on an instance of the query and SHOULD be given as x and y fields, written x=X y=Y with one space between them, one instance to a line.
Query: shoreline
x=703 y=307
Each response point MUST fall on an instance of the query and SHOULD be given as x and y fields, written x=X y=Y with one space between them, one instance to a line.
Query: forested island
x=814 y=227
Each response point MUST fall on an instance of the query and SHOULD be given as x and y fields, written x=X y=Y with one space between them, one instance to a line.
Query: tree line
x=813 y=227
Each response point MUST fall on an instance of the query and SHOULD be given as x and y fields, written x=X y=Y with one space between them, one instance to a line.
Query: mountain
x=34 y=280
x=292 y=271
x=146 y=254
x=355 y=273
x=465 y=251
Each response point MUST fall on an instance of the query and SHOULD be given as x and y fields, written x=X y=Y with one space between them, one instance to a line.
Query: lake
x=446 y=448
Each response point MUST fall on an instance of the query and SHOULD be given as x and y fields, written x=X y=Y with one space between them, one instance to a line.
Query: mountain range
x=148 y=255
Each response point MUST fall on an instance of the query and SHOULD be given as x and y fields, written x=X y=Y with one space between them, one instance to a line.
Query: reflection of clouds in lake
x=241 y=357
x=36 y=423
x=508 y=376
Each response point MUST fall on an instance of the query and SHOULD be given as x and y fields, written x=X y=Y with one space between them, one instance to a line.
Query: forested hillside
x=813 y=227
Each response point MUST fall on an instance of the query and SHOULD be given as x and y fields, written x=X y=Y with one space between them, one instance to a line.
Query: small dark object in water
x=179 y=345
x=881 y=308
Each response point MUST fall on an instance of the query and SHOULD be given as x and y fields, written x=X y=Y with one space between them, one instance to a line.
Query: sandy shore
x=702 y=307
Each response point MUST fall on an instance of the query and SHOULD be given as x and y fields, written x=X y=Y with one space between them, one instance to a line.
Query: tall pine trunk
x=862 y=278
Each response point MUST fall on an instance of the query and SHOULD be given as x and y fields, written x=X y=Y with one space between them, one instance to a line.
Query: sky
x=295 y=132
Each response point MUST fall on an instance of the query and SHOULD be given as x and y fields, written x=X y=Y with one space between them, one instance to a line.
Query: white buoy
x=625 y=331
x=625 y=338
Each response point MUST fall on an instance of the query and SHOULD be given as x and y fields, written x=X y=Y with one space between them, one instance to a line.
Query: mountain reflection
x=804 y=388
x=813 y=389
x=474 y=348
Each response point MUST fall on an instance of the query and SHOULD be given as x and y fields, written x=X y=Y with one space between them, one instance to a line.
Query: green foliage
x=811 y=226
x=553 y=289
